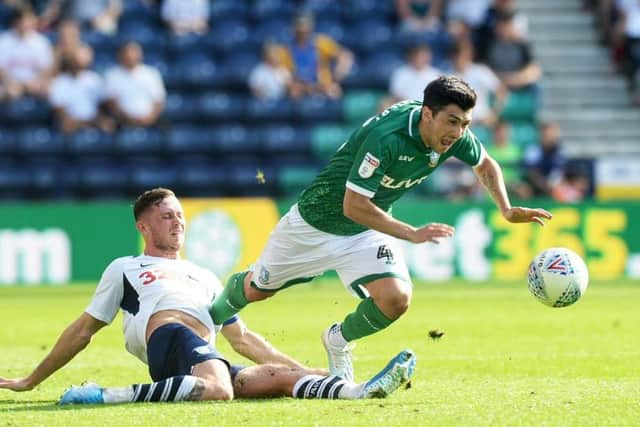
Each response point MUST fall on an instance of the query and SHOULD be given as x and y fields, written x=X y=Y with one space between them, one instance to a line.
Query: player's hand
x=432 y=233
x=518 y=214
x=16 y=384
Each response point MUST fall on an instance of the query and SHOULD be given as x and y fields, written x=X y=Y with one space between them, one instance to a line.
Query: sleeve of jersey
x=106 y=301
x=369 y=165
x=469 y=149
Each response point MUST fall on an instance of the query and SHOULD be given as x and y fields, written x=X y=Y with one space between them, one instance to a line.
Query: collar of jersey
x=414 y=132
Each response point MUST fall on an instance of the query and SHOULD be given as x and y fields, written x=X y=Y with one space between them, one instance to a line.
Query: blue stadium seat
x=192 y=70
x=376 y=70
x=324 y=9
x=368 y=35
x=181 y=45
x=202 y=175
x=89 y=142
x=318 y=109
x=46 y=175
x=101 y=176
x=286 y=139
x=8 y=142
x=236 y=67
x=234 y=139
x=334 y=28
x=221 y=106
x=27 y=110
x=14 y=180
x=276 y=29
x=101 y=43
x=267 y=9
x=35 y=141
x=269 y=110
x=223 y=10
x=180 y=107
x=231 y=35
x=147 y=36
x=158 y=60
x=189 y=139
x=139 y=140
x=150 y=174
x=357 y=10
x=244 y=181
x=103 y=61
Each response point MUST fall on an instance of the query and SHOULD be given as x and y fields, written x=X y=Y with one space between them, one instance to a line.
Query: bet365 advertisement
x=66 y=243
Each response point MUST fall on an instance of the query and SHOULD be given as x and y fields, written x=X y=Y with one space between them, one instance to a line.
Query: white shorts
x=297 y=252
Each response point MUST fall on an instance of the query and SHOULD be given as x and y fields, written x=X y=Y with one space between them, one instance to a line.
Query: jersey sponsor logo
x=385 y=252
x=405 y=158
x=389 y=182
x=369 y=164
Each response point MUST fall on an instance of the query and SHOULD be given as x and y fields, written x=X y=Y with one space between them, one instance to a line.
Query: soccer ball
x=558 y=277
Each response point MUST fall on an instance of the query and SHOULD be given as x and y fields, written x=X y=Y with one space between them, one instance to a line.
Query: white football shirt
x=143 y=285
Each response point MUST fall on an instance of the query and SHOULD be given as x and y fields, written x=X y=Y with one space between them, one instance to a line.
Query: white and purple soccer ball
x=558 y=277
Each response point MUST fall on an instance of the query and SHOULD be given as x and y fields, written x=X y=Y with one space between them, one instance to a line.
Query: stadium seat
x=234 y=139
x=326 y=139
x=221 y=106
x=360 y=105
x=235 y=69
x=223 y=10
x=195 y=70
x=186 y=44
x=180 y=108
x=37 y=141
x=263 y=10
x=231 y=35
x=375 y=71
x=368 y=35
x=98 y=176
x=8 y=142
x=483 y=133
x=287 y=139
x=27 y=110
x=276 y=29
x=332 y=27
x=14 y=180
x=293 y=179
x=357 y=10
x=189 y=139
x=324 y=10
x=147 y=36
x=318 y=109
x=524 y=133
x=158 y=60
x=245 y=182
x=202 y=176
x=259 y=110
x=134 y=140
x=150 y=174
x=89 y=142
x=45 y=176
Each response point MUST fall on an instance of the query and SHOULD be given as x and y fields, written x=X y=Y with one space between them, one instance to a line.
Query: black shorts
x=173 y=349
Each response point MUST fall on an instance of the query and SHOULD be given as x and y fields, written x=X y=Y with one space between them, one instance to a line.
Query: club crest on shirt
x=433 y=159
x=369 y=164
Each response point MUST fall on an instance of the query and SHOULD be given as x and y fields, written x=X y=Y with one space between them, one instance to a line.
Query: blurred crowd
x=47 y=54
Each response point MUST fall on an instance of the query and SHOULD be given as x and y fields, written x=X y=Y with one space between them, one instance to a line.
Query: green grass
x=505 y=359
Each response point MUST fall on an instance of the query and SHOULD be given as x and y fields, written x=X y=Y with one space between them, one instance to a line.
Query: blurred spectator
x=26 y=57
x=545 y=162
x=98 y=15
x=419 y=16
x=68 y=41
x=510 y=157
x=135 y=91
x=76 y=93
x=484 y=82
x=485 y=32
x=317 y=62
x=470 y=12
x=186 y=16
x=573 y=187
x=510 y=56
x=627 y=35
x=409 y=80
x=270 y=79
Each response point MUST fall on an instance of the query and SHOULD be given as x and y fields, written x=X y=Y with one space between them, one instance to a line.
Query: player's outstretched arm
x=362 y=210
x=73 y=340
x=254 y=347
x=490 y=176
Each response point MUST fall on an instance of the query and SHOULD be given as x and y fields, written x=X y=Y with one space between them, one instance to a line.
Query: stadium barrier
x=63 y=243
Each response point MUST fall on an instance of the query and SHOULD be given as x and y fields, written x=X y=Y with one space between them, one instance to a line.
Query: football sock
x=366 y=320
x=231 y=300
x=172 y=389
x=319 y=387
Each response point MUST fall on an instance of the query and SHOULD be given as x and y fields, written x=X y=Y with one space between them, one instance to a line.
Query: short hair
x=447 y=90
x=150 y=198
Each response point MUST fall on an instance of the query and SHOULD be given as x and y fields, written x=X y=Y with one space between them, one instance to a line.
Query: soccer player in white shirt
x=165 y=303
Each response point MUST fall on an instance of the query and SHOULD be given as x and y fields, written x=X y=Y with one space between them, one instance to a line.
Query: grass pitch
x=504 y=359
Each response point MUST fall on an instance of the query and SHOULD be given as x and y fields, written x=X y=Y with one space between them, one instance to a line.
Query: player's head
x=446 y=111
x=160 y=220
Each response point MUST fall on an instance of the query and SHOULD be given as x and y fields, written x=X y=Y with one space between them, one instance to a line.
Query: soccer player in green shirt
x=342 y=220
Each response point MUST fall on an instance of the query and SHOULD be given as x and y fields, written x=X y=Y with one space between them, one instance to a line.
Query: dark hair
x=447 y=90
x=19 y=13
x=150 y=198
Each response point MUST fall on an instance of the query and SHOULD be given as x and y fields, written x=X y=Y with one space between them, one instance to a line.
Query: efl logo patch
x=369 y=164
x=558 y=265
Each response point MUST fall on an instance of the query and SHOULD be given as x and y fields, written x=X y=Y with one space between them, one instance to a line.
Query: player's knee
x=397 y=303
x=215 y=391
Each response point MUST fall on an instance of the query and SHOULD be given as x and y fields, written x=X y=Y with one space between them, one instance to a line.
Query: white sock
x=336 y=338
x=351 y=391
x=117 y=394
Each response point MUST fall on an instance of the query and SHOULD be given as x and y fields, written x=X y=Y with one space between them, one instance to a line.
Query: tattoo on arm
x=198 y=390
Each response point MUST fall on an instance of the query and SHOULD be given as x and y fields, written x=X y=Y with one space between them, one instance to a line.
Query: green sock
x=366 y=320
x=231 y=300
